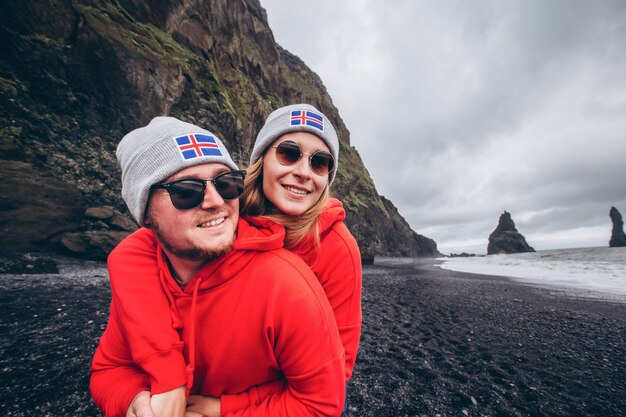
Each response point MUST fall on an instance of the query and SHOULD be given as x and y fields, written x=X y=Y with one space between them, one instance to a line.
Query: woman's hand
x=170 y=403
x=140 y=406
x=200 y=406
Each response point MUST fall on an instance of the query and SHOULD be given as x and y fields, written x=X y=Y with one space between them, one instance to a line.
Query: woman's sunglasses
x=289 y=153
x=189 y=192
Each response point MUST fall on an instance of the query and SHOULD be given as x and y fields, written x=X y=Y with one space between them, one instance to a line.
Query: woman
x=293 y=163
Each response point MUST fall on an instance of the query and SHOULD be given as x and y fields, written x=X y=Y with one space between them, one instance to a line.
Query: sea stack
x=506 y=238
x=618 y=238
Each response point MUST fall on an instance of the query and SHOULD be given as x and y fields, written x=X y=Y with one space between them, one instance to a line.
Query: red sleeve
x=149 y=322
x=253 y=396
x=115 y=380
x=340 y=273
x=114 y=399
x=307 y=347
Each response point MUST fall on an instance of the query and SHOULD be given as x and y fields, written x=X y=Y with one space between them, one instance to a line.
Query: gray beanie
x=297 y=118
x=152 y=153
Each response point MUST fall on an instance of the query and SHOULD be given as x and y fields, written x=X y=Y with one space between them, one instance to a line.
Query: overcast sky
x=464 y=109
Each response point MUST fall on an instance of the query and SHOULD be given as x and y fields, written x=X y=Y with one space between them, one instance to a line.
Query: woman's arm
x=149 y=322
x=119 y=388
x=252 y=397
x=339 y=271
x=115 y=380
x=228 y=403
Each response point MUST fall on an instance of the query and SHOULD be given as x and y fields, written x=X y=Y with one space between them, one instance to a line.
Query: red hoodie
x=254 y=316
x=337 y=265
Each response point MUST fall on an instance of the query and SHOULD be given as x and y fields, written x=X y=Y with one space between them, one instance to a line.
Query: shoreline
x=566 y=286
x=561 y=289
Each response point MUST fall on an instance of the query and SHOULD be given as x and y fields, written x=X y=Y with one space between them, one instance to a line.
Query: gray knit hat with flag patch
x=155 y=152
x=297 y=118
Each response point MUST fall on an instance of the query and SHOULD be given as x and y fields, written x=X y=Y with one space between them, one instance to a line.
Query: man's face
x=201 y=233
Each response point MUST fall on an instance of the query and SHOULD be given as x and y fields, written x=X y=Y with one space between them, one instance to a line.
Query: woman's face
x=294 y=189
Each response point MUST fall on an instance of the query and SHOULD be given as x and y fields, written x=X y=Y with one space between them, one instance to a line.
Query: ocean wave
x=600 y=270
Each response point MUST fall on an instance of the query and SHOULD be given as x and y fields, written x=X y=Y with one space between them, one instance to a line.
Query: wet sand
x=454 y=344
x=434 y=342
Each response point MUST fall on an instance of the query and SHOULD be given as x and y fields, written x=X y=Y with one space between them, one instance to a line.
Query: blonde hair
x=253 y=202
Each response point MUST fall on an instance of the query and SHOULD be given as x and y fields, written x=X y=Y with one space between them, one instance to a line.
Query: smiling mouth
x=296 y=190
x=213 y=223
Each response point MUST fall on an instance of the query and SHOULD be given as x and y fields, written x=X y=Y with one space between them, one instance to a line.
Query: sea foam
x=598 y=270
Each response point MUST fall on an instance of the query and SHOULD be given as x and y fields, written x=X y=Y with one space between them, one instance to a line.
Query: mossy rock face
x=76 y=76
x=35 y=209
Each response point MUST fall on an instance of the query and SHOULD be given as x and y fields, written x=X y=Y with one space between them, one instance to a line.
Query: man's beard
x=192 y=253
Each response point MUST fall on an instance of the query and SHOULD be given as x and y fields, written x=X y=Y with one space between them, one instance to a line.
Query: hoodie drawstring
x=176 y=321
x=192 y=337
x=178 y=324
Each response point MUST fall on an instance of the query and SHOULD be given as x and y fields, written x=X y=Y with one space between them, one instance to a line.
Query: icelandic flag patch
x=308 y=118
x=197 y=145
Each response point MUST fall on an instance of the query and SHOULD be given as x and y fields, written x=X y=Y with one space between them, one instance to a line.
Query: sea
x=594 y=272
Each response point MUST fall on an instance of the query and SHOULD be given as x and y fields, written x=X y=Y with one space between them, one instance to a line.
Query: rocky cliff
x=618 y=238
x=506 y=239
x=75 y=75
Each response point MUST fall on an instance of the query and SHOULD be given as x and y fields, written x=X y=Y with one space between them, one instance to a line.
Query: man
x=248 y=312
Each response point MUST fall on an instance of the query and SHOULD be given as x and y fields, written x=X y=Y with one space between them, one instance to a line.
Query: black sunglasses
x=289 y=153
x=189 y=192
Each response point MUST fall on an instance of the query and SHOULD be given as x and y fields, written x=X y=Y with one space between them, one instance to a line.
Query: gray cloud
x=478 y=107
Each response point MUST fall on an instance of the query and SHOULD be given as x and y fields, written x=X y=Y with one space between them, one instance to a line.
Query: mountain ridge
x=75 y=76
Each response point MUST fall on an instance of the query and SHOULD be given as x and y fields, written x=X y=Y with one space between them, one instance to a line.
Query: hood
x=333 y=213
x=308 y=249
x=258 y=234
x=253 y=234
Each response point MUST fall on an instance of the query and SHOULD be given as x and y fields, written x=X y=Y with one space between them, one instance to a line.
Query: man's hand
x=169 y=404
x=199 y=405
x=140 y=406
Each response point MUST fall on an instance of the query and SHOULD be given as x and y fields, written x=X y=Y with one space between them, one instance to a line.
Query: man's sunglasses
x=189 y=192
x=289 y=153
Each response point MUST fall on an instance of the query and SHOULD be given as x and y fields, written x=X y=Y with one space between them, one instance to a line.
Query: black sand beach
x=434 y=342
